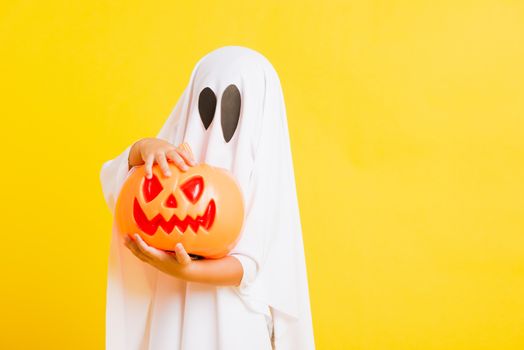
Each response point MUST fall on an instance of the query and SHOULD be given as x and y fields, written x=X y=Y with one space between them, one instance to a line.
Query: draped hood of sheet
x=147 y=309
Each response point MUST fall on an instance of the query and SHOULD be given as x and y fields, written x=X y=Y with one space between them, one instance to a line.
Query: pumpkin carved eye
x=193 y=188
x=151 y=188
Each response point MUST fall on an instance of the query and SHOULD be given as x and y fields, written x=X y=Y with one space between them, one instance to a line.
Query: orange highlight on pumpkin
x=202 y=208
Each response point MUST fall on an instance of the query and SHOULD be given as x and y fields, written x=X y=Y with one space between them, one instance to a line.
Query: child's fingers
x=149 y=165
x=187 y=157
x=181 y=255
x=132 y=246
x=149 y=252
x=177 y=159
x=162 y=162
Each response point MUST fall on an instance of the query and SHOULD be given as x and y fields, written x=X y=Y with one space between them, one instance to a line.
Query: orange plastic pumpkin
x=202 y=208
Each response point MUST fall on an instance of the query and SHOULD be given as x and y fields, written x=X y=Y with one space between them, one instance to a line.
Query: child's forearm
x=226 y=271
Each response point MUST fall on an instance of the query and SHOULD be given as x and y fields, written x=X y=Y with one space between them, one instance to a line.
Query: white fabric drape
x=147 y=309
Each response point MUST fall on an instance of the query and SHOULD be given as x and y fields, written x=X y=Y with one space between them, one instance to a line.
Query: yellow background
x=407 y=128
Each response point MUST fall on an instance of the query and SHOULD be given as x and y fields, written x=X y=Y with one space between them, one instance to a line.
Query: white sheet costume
x=147 y=309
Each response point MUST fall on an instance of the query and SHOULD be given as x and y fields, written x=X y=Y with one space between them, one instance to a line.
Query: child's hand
x=150 y=150
x=226 y=271
x=175 y=264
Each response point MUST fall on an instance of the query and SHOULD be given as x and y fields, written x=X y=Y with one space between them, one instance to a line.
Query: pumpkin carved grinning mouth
x=150 y=226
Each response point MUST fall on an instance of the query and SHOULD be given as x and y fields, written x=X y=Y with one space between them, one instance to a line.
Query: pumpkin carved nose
x=171 y=201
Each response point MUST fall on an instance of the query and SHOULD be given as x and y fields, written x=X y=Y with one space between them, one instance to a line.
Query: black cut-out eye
x=207 y=103
x=230 y=111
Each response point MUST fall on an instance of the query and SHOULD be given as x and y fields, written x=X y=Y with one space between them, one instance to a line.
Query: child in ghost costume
x=232 y=115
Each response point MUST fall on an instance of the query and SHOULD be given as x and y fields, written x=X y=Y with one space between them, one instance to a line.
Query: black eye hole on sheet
x=207 y=103
x=230 y=111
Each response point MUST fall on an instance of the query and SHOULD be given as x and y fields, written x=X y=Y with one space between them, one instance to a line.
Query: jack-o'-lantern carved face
x=202 y=208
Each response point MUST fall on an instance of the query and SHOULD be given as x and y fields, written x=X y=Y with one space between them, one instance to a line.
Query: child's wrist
x=188 y=272
x=134 y=157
